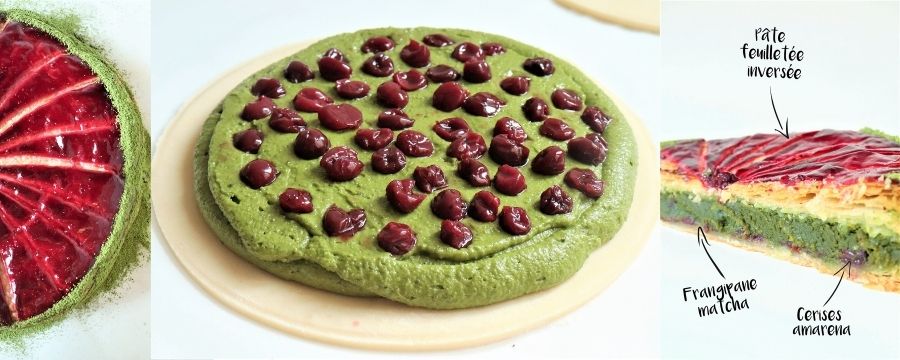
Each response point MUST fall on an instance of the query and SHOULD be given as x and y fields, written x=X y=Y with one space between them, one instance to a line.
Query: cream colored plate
x=365 y=322
x=636 y=14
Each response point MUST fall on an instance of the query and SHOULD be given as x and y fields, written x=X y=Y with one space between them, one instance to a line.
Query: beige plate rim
x=365 y=323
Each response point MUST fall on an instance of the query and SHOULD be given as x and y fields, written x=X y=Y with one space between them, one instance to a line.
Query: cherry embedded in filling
x=473 y=172
x=587 y=151
x=414 y=143
x=297 y=72
x=379 y=65
x=339 y=117
x=377 y=44
x=248 y=141
x=401 y=196
x=415 y=54
x=566 y=99
x=429 y=178
x=333 y=69
x=509 y=180
x=351 y=89
x=555 y=201
x=492 y=48
x=258 y=173
x=476 y=71
x=449 y=205
x=536 y=109
x=550 y=161
x=390 y=94
x=507 y=151
x=467 y=51
x=411 y=80
x=514 y=220
x=594 y=118
x=267 y=87
x=396 y=238
x=449 y=96
x=286 y=121
x=585 y=181
x=388 y=160
x=340 y=223
x=61 y=178
x=539 y=66
x=455 y=234
x=341 y=164
x=310 y=143
x=437 y=40
x=516 y=85
x=442 y=74
x=556 y=129
x=311 y=100
x=451 y=128
x=394 y=119
x=258 y=109
x=373 y=139
x=511 y=128
x=295 y=201
x=468 y=146
x=484 y=206
x=335 y=54
x=483 y=104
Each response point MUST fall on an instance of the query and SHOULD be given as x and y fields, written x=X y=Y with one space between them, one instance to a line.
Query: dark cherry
x=297 y=72
x=377 y=44
x=476 y=71
x=536 y=109
x=509 y=180
x=373 y=139
x=599 y=140
x=311 y=100
x=483 y=104
x=396 y=238
x=339 y=117
x=286 y=120
x=511 y=128
x=539 y=66
x=437 y=40
x=379 y=65
x=492 y=48
x=566 y=99
x=411 y=80
x=442 y=74
x=310 y=143
x=390 y=94
x=556 y=129
x=333 y=69
x=338 y=222
x=351 y=89
x=466 y=51
x=394 y=119
x=388 y=160
x=449 y=205
x=455 y=234
x=550 y=161
x=587 y=151
x=258 y=173
x=267 y=87
x=401 y=196
x=414 y=143
x=474 y=172
x=508 y=151
x=484 y=206
x=555 y=201
x=429 y=178
x=595 y=119
x=258 y=109
x=514 y=220
x=341 y=164
x=415 y=54
x=585 y=181
x=468 y=146
x=295 y=201
x=449 y=96
x=516 y=85
x=335 y=54
x=249 y=140
x=451 y=128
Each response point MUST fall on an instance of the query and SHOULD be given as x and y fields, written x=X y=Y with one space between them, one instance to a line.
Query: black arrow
x=783 y=130
x=846 y=266
x=702 y=241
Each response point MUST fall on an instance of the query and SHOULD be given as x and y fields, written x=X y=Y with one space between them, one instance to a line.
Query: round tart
x=73 y=168
x=438 y=168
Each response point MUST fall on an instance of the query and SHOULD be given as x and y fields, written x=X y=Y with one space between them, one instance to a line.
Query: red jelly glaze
x=60 y=171
x=840 y=157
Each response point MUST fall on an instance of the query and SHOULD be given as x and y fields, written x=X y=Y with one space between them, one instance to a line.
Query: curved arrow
x=702 y=241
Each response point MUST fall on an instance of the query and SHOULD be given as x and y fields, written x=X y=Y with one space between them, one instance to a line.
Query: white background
x=195 y=42
x=849 y=80
x=115 y=326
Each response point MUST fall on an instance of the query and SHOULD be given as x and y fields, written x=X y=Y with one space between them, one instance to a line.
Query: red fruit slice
x=60 y=170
